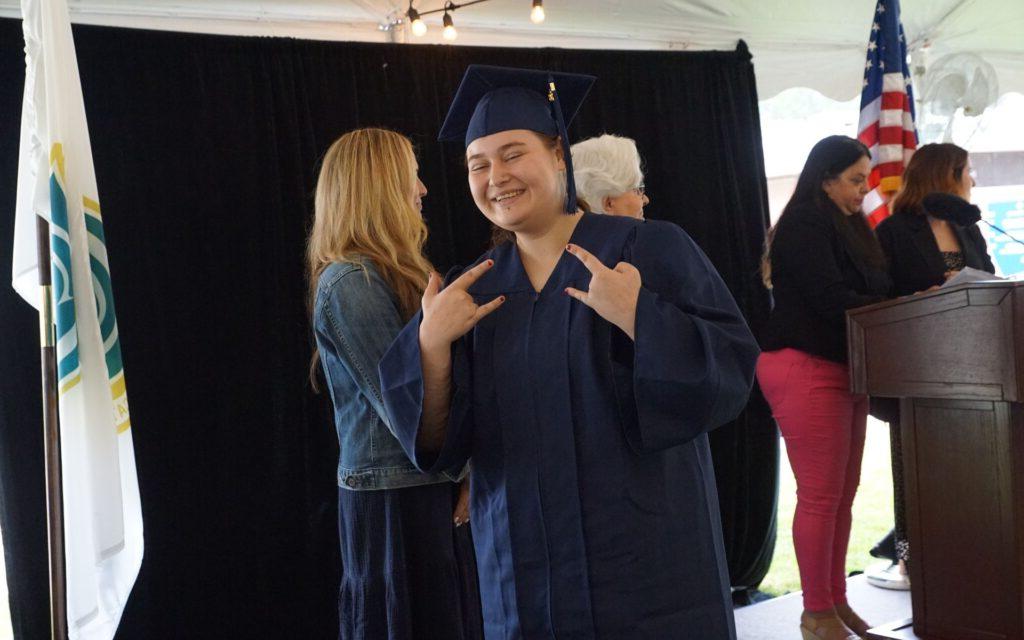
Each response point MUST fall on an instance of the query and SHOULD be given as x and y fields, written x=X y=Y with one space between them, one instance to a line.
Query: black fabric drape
x=206 y=151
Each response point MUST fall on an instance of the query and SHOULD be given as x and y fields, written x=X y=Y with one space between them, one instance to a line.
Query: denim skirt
x=407 y=573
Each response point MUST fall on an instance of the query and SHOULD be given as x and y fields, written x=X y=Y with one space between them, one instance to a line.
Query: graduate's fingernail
x=490 y=263
x=565 y=291
x=568 y=248
x=501 y=298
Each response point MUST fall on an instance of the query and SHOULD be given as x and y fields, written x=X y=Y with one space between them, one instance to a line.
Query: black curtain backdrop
x=206 y=152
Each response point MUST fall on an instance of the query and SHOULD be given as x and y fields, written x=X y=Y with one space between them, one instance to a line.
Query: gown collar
x=509 y=275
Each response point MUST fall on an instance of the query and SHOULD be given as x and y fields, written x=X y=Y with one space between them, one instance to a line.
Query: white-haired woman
x=608 y=175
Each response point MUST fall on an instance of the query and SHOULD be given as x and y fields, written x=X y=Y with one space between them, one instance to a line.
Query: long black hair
x=828 y=159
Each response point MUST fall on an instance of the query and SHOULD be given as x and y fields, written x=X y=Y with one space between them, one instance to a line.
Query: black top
x=915 y=262
x=815 y=279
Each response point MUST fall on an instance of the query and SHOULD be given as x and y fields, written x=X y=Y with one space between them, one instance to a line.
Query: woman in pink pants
x=821 y=259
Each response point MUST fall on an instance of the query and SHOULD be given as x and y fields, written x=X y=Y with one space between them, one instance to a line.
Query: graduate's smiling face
x=517 y=178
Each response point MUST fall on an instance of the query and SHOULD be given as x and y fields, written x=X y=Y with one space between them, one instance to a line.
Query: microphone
x=952 y=208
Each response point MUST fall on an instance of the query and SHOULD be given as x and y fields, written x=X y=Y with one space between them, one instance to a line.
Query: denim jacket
x=355 y=318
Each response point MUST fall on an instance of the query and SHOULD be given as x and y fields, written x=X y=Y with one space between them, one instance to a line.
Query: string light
x=419 y=27
x=537 y=13
x=449 y=32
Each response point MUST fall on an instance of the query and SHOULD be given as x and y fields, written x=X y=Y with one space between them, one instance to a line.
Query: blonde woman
x=400 y=580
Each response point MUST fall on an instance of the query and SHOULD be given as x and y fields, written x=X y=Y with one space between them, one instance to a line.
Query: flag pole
x=51 y=440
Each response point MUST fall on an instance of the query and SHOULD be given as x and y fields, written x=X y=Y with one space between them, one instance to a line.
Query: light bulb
x=537 y=13
x=449 y=32
x=418 y=26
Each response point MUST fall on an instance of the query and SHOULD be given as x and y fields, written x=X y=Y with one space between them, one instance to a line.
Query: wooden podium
x=955 y=358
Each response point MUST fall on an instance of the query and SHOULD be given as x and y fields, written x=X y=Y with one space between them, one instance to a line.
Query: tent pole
x=51 y=440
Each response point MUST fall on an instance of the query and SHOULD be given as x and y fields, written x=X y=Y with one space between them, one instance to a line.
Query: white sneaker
x=886 y=575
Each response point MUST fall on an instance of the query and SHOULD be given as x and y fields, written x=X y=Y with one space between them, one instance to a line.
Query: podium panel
x=961 y=518
x=955 y=358
x=966 y=343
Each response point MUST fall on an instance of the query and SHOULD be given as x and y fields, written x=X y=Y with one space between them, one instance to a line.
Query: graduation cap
x=495 y=99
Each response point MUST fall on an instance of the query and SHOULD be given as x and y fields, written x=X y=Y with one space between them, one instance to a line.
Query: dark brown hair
x=828 y=159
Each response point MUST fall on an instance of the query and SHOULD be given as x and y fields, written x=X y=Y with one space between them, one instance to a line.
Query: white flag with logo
x=102 y=513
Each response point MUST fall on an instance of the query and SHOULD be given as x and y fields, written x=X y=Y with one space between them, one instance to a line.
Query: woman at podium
x=821 y=259
x=931 y=235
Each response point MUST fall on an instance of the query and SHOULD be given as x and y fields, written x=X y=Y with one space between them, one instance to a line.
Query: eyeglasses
x=639 y=190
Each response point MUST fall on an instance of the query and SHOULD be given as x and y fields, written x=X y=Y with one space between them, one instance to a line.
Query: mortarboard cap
x=495 y=99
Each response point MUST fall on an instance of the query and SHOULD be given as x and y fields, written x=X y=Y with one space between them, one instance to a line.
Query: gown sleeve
x=401 y=379
x=694 y=356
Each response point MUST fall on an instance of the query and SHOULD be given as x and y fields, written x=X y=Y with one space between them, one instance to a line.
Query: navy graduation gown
x=593 y=507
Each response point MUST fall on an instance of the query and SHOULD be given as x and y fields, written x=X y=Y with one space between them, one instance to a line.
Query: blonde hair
x=607 y=165
x=364 y=212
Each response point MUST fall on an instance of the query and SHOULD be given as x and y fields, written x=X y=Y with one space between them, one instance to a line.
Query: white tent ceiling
x=810 y=43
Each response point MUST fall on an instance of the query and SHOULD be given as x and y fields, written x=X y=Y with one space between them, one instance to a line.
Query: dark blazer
x=816 y=278
x=915 y=262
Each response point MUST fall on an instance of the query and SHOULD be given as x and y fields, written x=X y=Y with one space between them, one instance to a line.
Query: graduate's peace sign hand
x=613 y=293
x=450 y=312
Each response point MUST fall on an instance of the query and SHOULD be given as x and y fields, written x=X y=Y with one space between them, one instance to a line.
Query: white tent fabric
x=818 y=44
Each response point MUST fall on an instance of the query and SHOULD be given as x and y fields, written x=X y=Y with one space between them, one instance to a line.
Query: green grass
x=872 y=513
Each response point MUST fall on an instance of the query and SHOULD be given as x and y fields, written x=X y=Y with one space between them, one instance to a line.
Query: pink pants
x=824 y=426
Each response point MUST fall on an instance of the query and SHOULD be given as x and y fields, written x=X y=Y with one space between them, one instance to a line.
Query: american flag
x=886 y=109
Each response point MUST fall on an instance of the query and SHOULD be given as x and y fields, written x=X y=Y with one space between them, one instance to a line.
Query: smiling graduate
x=580 y=365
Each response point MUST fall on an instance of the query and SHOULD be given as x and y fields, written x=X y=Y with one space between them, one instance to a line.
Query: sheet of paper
x=967 y=274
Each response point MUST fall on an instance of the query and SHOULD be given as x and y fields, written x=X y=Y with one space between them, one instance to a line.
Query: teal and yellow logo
x=68 y=365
